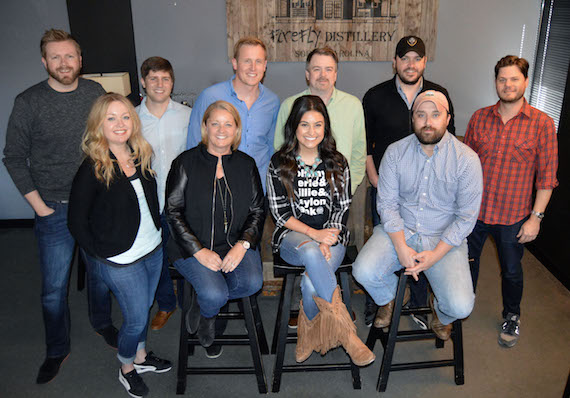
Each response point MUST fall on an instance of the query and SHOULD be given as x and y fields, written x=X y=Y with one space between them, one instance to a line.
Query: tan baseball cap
x=436 y=97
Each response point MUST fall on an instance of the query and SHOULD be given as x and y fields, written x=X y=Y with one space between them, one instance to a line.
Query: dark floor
x=537 y=367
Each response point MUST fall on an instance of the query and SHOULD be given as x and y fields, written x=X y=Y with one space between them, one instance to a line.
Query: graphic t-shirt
x=313 y=197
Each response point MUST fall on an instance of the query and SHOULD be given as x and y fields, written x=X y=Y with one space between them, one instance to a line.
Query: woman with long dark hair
x=308 y=187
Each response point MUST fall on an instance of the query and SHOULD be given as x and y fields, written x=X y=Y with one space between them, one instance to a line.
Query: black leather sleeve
x=253 y=225
x=175 y=206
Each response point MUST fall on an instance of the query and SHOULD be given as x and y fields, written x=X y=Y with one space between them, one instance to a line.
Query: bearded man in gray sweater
x=42 y=155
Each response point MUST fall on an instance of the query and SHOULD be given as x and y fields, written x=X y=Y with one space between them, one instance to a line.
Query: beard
x=405 y=80
x=67 y=79
x=506 y=100
x=434 y=138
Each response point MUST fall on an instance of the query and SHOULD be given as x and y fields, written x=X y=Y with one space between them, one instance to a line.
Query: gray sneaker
x=510 y=330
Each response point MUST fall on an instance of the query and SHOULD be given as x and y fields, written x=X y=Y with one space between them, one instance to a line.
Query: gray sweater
x=44 y=135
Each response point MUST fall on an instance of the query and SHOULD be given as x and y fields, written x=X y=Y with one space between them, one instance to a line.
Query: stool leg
x=458 y=352
x=285 y=309
x=392 y=335
x=345 y=285
x=254 y=345
x=183 y=344
x=278 y=319
x=259 y=325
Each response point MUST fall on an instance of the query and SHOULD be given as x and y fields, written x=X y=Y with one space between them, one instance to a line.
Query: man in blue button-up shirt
x=256 y=104
x=429 y=193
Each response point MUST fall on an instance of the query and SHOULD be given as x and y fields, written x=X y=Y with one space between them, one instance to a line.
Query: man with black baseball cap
x=388 y=117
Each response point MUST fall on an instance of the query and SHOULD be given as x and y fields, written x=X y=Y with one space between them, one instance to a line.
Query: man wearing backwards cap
x=388 y=112
x=431 y=188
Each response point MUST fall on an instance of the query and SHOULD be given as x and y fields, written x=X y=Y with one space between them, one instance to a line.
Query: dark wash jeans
x=56 y=246
x=165 y=296
x=214 y=289
x=510 y=255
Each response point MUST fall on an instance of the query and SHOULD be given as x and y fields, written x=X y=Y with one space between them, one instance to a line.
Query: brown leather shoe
x=384 y=313
x=160 y=319
x=442 y=331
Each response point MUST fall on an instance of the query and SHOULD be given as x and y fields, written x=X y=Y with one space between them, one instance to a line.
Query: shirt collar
x=525 y=109
x=331 y=99
x=146 y=112
x=232 y=91
x=401 y=92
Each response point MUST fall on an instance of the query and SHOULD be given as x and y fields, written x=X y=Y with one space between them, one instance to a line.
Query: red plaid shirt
x=512 y=155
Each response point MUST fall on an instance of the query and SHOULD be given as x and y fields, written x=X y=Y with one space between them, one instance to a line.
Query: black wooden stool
x=255 y=338
x=394 y=336
x=281 y=335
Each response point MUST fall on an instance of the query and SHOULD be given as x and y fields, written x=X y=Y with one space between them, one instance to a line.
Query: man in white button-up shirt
x=164 y=126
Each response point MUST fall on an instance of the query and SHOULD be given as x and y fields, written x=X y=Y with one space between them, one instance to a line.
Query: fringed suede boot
x=308 y=335
x=337 y=328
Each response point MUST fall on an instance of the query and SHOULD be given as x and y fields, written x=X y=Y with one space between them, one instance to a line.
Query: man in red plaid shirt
x=517 y=146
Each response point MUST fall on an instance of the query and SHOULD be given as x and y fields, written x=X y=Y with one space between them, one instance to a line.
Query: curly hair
x=332 y=159
x=95 y=145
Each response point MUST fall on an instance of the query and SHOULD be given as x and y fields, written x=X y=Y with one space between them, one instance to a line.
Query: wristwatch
x=245 y=244
x=539 y=215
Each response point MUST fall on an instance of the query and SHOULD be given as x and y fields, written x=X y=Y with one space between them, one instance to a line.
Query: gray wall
x=22 y=24
x=472 y=36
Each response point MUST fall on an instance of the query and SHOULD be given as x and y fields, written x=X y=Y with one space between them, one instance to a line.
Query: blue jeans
x=418 y=289
x=319 y=278
x=214 y=289
x=165 y=296
x=98 y=298
x=134 y=287
x=56 y=246
x=450 y=278
x=510 y=255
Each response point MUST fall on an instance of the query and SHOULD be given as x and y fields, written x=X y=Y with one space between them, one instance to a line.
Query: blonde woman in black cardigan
x=114 y=216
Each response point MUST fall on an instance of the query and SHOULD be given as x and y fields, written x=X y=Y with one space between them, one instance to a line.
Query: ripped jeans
x=319 y=278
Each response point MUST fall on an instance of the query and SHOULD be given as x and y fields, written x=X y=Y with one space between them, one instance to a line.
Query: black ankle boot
x=206 y=331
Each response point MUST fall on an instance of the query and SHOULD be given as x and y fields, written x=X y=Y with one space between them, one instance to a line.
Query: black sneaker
x=420 y=320
x=370 y=313
x=214 y=351
x=510 y=330
x=133 y=383
x=49 y=369
x=153 y=364
x=111 y=336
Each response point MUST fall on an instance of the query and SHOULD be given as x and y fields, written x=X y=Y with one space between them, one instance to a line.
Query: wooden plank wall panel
x=358 y=31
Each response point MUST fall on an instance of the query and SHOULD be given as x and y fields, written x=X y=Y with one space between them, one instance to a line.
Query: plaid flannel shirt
x=512 y=155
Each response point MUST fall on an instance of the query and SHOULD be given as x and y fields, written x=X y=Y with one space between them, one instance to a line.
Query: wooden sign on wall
x=359 y=30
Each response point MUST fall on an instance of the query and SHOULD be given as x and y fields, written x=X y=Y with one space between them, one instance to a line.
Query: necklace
x=309 y=170
x=224 y=203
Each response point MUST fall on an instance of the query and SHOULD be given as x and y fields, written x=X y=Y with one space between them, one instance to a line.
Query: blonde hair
x=248 y=41
x=57 y=35
x=225 y=106
x=96 y=147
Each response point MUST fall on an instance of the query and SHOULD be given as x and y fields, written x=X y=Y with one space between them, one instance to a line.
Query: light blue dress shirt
x=167 y=136
x=437 y=197
x=257 y=123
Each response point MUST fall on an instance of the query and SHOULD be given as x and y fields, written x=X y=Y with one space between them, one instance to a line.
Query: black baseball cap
x=410 y=43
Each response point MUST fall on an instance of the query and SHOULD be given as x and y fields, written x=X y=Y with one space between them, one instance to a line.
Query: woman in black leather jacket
x=214 y=204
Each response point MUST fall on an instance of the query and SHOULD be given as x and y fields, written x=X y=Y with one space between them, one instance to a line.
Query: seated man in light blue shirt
x=429 y=192
x=256 y=104
x=164 y=126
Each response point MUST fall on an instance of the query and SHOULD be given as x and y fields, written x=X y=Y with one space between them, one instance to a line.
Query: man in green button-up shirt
x=345 y=111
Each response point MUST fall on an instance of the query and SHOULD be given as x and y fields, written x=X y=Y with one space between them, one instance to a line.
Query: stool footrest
x=422 y=365
x=316 y=368
x=414 y=335
x=220 y=370
x=416 y=311
x=226 y=339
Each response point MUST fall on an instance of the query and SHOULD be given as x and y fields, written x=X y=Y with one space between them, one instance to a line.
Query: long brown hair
x=332 y=159
x=96 y=147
